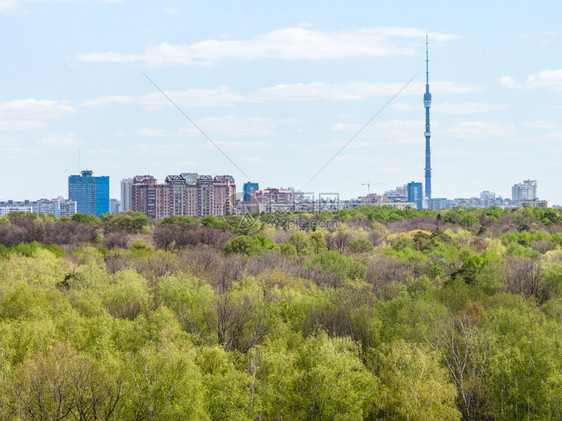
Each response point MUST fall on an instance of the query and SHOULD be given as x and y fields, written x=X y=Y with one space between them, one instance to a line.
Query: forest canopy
x=364 y=314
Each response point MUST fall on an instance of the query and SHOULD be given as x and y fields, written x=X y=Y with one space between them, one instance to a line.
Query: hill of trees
x=367 y=314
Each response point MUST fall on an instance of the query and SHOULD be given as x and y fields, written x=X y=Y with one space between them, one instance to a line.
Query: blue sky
x=280 y=87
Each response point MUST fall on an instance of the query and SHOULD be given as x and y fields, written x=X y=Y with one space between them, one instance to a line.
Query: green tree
x=300 y=242
x=228 y=394
x=360 y=245
x=127 y=296
x=130 y=221
x=316 y=379
x=317 y=242
x=525 y=366
x=65 y=385
x=413 y=385
x=165 y=383
x=250 y=245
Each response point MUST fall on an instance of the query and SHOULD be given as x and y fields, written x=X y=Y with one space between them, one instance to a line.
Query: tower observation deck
x=427 y=105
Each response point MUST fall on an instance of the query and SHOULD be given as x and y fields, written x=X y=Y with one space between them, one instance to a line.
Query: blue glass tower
x=248 y=189
x=427 y=105
x=415 y=194
x=90 y=193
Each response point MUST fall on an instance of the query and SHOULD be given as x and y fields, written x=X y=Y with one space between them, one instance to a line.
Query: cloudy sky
x=271 y=90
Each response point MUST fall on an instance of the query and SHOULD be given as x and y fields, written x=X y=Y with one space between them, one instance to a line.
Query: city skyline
x=280 y=90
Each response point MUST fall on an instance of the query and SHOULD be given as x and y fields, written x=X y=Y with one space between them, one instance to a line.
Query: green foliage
x=26 y=249
x=250 y=245
x=214 y=222
x=169 y=385
x=179 y=220
x=87 y=219
x=342 y=267
x=13 y=216
x=127 y=296
x=300 y=242
x=414 y=385
x=318 y=378
x=317 y=242
x=439 y=320
x=360 y=245
x=56 y=250
x=288 y=250
x=189 y=299
x=139 y=248
x=524 y=374
x=130 y=221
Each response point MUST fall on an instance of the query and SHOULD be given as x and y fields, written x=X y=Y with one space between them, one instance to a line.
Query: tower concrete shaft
x=427 y=105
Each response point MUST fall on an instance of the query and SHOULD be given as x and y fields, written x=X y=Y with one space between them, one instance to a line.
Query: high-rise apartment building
x=90 y=193
x=415 y=194
x=248 y=189
x=186 y=194
x=527 y=190
x=126 y=185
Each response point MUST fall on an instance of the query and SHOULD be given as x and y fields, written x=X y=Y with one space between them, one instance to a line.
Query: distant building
x=372 y=199
x=415 y=194
x=11 y=206
x=126 y=186
x=277 y=199
x=67 y=207
x=487 y=196
x=58 y=207
x=401 y=205
x=400 y=194
x=114 y=206
x=527 y=190
x=90 y=193
x=438 y=203
x=543 y=204
x=186 y=194
x=248 y=189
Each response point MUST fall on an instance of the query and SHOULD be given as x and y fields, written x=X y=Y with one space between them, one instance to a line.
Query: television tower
x=427 y=105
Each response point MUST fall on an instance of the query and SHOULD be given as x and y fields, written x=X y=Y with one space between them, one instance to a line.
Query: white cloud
x=289 y=44
x=401 y=106
x=480 y=130
x=468 y=108
x=21 y=125
x=224 y=126
x=224 y=97
x=31 y=108
x=172 y=11
x=235 y=126
x=31 y=114
x=198 y=98
x=150 y=133
x=14 y=7
x=508 y=82
x=9 y=7
x=400 y=131
x=546 y=37
x=550 y=79
x=60 y=139
x=445 y=87
x=546 y=78
x=540 y=124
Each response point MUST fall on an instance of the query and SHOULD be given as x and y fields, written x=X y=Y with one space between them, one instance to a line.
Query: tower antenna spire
x=426 y=60
x=427 y=105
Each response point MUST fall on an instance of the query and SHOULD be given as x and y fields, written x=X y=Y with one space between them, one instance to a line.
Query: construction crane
x=369 y=184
